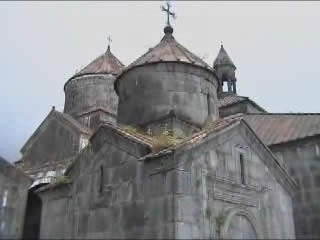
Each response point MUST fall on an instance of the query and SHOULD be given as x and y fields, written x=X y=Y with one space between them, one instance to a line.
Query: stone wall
x=199 y=192
x=155 y=90
x=54 y=143
x=171 y=124
x=106 y=194
x=89 y=93
x=94 y=118
x=13 y=197
x=209 y=198
x=56 y=214
x=302 y=159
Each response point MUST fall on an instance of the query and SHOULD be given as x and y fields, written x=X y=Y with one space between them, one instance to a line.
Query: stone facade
x=91 y=98
x=302 y=160
x=189 y=91
x=195 y=192
x=13 y=198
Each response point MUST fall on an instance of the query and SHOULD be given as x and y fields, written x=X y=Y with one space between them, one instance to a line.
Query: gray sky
x=274 y=45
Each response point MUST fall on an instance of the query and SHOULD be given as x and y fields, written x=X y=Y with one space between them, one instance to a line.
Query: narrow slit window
x=242 y=169
x=208 y=103
x=101 y=180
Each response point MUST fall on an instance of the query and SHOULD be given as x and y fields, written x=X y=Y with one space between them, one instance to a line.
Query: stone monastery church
x=164 y=148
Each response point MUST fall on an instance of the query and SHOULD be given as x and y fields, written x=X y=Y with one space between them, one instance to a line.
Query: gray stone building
x=13 y=199
x=164 y=148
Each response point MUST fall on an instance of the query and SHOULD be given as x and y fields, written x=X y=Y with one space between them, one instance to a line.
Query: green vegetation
x=220 y=220
x=62 y=180
x=133 y=130
x=159 y=142
x=164 y=140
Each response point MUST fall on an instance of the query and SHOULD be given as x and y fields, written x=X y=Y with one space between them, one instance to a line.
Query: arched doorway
x=240 y=224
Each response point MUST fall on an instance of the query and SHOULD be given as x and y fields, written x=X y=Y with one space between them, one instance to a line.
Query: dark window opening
x=101 y=180
x=32 y=221
x=208 y=102
x=242 y=169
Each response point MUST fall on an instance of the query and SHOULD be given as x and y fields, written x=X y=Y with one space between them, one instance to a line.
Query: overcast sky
x=275 y=46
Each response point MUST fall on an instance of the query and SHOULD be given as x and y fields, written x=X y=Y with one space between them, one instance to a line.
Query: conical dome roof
x=168 y=50
x=106 y=63
x=223 y=58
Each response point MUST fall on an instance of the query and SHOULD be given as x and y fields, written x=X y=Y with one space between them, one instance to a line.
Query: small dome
x=223 y=58
x=168 y=50
x=107 y=63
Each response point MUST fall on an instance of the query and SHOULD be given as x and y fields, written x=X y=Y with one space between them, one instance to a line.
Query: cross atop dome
x=168 y=28
x=109 y=41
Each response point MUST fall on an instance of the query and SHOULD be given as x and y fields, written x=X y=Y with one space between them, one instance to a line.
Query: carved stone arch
x=230 y=213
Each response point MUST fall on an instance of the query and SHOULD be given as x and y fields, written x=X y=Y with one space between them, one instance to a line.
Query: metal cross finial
x=221 y=42
x=109 y=41
x=169 y=13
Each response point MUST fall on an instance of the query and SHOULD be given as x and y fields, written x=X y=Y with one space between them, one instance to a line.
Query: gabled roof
x=127 y=133
x=223 y=125
x=168 y=50
x=75 y=123
x=223 y=58
x=60 y=116
x=228 y=100
x=106 y=63
x=277 y=128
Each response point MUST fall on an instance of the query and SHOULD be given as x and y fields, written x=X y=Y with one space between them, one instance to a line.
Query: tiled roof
x=106 y=63
x=276 y=128
x=223 y=58
x=230 y=99
x=168 y=50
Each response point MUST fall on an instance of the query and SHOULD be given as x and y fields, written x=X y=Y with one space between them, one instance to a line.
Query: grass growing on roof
x=165 y=140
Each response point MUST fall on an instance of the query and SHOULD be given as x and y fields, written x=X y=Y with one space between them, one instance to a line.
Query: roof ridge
x=73 y=121
x=138 y=137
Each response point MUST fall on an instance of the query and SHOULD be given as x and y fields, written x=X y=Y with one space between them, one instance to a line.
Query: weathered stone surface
x=13 y=197
x=85 y=95
x=200 y=194
x=183 y=91
x=302 y=160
